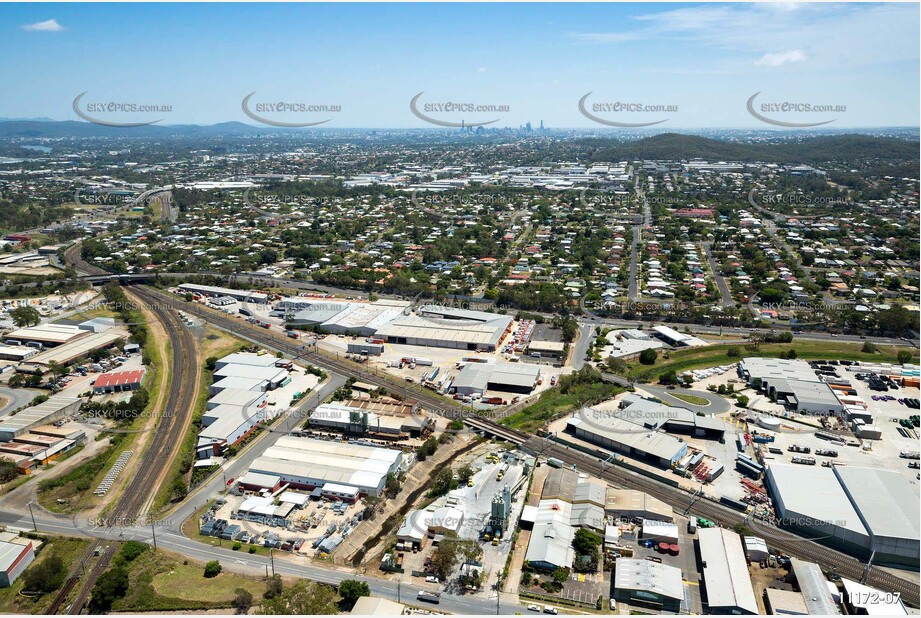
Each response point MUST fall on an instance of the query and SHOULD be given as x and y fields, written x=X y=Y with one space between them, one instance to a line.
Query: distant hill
x=70 y=128
x=674 y=146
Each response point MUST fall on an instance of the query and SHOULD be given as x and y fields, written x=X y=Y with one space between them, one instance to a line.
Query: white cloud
x=481 y=70
x=828 y=36
x=781 y=58
x=50 y=25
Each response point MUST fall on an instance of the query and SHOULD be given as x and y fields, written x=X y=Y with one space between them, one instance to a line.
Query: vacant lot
x=698 y=358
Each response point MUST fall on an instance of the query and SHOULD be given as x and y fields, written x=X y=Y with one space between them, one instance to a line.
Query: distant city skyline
x=580 y=66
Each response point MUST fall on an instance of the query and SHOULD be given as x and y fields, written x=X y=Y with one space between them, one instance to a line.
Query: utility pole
x=34 y=527
x=272 y=558
x=154 y=532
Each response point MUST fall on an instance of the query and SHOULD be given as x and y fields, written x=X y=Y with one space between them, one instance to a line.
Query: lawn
x=698 y=358
x=186 y=582
x=558 y=401
x=694 y=400
x=11 y=602
x=160 y=581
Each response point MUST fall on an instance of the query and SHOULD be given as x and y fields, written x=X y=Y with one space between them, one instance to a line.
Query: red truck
x=497 y=401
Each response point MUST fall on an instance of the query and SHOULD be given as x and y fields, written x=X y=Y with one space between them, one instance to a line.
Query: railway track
x=157 y=456
x=790 y=544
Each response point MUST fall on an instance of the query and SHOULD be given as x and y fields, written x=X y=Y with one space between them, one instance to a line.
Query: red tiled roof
x=119 y=378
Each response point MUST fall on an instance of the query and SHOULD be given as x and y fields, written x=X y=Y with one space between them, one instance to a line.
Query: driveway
x=17 y=397
x=717 y=405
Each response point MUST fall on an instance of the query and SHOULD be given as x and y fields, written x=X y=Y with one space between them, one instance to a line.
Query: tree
x=211 y=363
x=742 y=401
x=733 y=351
x=648 y=357
x=179 y=488
x=351 y=590
x=25 y=316
x=243 y=600
x=111 y=586
x=273 y=587
x=213 y=569
x=304 y=598
x=904 y=356
x=869 y=347
x=46 y=576
x=669 y=377
x=442 y=483
x=8 y=470
x=585 y=542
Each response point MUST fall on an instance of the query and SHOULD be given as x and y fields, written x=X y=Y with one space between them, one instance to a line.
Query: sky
x=698 y=64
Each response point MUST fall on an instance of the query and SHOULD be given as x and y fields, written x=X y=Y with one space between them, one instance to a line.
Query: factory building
x=629 y=504
x=17 y=353
x=676 y=339
x=791 y=382
x=357 y=421
x=567 y=502
x=210 y=290
x=477 y=378
x=442 y=327
x=65 y=354
x=307 y=463
x=55 y=408
x=14 y=559
x=726 y=581
x=656 y=415
x=45 y=335
x=860 y=510
x=238 y=402
x=648 y=584
x=118 y=381
x=608 y=430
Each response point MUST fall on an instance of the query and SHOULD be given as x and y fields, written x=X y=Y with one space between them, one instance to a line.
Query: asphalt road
x=17 y=397
x=717 y=404
x=725 y=292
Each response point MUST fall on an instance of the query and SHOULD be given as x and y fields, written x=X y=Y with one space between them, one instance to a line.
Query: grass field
x=554 y=403
x=160 y=581
x=11 y=602
x=694 y=400
x=699 y=358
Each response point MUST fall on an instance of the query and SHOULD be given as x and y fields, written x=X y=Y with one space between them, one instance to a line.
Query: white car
x=550 y=610
x=534 y=608
x=431 y=579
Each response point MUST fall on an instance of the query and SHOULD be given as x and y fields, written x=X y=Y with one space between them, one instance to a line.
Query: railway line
x=791 y=544
x=157 y=456
x=786 y=542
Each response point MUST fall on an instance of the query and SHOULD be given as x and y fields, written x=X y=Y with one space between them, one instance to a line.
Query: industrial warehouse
x=477 y=378
x=306 y=463
x=791 y=381
x=397 y=322
x=391 y=421
x=238 y=401
x=725 y=572
x=609 y=430
x=862 y=510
